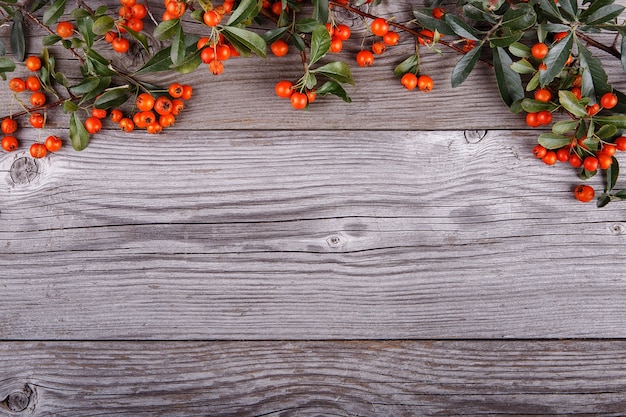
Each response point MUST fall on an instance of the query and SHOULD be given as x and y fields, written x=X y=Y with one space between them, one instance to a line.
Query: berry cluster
x=154 y=113
x=299 y=99
x=215 y=49
x=37 y=100
x=130 y=16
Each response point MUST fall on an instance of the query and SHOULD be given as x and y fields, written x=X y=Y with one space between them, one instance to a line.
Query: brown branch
x=608 y=49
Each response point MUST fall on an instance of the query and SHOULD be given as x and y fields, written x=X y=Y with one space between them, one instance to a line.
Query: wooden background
x=403 y=255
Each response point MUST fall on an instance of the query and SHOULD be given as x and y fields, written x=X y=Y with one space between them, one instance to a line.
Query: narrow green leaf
x=177 y=52
x=166 y=29
x=102 y=25
x=103 y=83
x=564 y=126
x=191 y=61
x=556 y=59
x=619 y=121
x=509 y=82
x=595 y=82
x=410 y=64
x=298 y=42
x=612 y=174
x=594 y=6
x=18 y=41
x=114 y=97
x=247 y=9
x=603 y=200
x=533 y=83
x=79 y=137
x=620 y=194
x=320 y=10
x=460 y=28
x=569 y=101
x=85 y=27
x=310 y=81
x=320 y=44
x=334 y=88
x=336 y=70
x=246 y=38
x=138 y=36
x=604 y=14
x=85 y=86
x=465 y=65
x=53 y=12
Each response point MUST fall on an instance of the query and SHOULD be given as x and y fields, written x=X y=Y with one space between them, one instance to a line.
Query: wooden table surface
x=402 y=255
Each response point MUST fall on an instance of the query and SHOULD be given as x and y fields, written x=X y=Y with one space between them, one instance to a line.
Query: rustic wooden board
x=368 y=378
x=292 y=235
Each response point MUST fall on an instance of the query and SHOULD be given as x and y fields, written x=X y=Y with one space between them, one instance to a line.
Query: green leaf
x=18 y=41
x=520 y=17
x=310 y=81
x=298 y=42
x=594 y=6
x=553 y=141
x=570 y=7
x=509 y=82
x=465 y=65
x=140 y=37
x=306 y=25
x=569 y=101
x=334 y=88
x=114 y=97
x=247 y=9
x=505 y=41
x=245 y=38
x=606 y=131
x=275 y=34
x=556 y=59
x=53 y=12
x=69 y=106
x=102 y=25
x=320 y=10
x=564 y=126
x=191 y=61
x=79 y=137
x=103 y=83
x=519 y=50
x=460 y=28
x=6 y=65
x=533 y=106
x=85 y=86
x=523 y=67
x=410 y=64
x=426 y=19
x=166 y=29
x=336 y=70
x=50 y=40
x=79 y=13
x=604 y=14
x=620 y=194
x=595 y=82
x=612 y=173
x=533 y=83
x=619 y=121
x=177 y=52
x=549 y=7
x=603 y=200
x=161 y=61
x=85 y=27
x=320 y=43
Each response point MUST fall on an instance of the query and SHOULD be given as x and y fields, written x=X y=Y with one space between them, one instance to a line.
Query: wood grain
x=300 y=235
x=394 y=378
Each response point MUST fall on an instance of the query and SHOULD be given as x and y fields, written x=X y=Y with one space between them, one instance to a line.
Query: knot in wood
x=17 y=401
x=474 y=136
x=334 y=241
x=24 y=170
x=617 y=229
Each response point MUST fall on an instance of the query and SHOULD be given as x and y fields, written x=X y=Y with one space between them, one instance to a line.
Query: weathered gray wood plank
x=299 y=235
x=369 y=378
